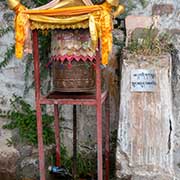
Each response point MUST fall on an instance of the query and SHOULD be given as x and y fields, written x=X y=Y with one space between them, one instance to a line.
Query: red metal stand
x=55 y=98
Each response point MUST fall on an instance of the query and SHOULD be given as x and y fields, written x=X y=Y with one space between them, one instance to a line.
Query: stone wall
x=12 y=79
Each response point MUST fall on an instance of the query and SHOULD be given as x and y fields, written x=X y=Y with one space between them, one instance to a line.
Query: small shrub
x=149 y=42
x=23 y=117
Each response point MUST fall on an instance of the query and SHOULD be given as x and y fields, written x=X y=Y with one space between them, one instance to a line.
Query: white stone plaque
x=143 y=80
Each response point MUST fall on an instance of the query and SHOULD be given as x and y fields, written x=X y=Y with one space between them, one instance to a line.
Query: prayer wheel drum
x=73 y=61
x=79 y=78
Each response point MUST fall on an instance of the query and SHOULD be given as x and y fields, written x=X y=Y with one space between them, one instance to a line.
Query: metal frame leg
x=99 y=141
x=107 y=138
x=40 y=141
x=38 y=106
x=74 y=142
x=57 y=135
x=99 y=118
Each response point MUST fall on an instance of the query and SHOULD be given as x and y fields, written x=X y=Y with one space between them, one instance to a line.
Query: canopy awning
x=65 y=14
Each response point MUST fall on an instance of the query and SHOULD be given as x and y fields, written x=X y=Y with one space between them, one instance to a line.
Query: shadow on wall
x=175 y=69
x=176 y=107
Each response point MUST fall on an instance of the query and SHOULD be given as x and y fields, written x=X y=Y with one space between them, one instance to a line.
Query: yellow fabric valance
x=97 y=17
x=44 y=26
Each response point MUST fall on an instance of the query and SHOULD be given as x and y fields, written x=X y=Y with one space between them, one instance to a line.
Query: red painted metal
x=74 y=142
x=62 y=58
x=38 y=106
x=57 y=134
x=70 y=95
x=107 y=140
x=72 y=98
x=99 y=117
x=69 y=101
x=56 y=98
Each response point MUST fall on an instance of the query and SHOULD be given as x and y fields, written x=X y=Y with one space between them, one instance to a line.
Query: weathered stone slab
x=145 y=135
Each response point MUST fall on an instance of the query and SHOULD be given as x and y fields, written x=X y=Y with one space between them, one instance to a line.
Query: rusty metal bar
x=99 y=117
x=74 y=142
x=57 y=135
x=38 y=106
x=89 y=102
x=107 y=138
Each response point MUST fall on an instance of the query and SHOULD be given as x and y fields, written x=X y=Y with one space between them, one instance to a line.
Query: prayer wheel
x=73 y=61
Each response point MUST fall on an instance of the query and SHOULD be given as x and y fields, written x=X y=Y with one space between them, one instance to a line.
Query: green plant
x=23 y=117
x=85 y=165
x=44 y=51
x=7 y=56
x=9 y=142
x=4 y=31
x=143 y=3
x=10 y=50
x=149 y=42
x=65 y=158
